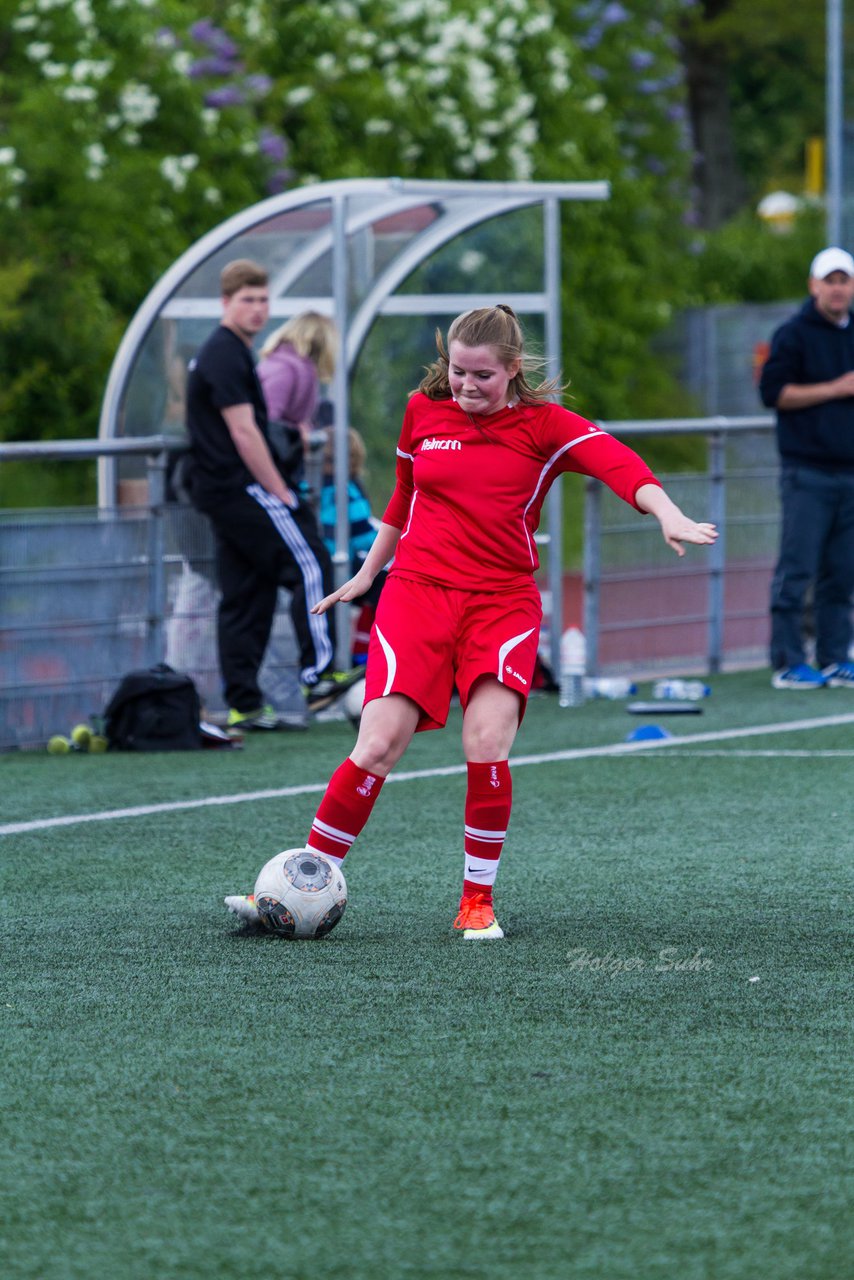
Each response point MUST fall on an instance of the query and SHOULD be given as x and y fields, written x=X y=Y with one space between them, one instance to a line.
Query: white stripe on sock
x=479 y=834
x=332 y=833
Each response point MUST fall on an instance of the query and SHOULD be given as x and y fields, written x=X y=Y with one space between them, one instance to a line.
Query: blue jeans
x=817 y=546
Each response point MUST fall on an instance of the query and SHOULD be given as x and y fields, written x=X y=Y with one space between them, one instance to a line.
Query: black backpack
x=154 y=710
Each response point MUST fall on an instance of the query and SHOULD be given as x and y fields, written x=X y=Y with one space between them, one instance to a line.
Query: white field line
x=414 y=775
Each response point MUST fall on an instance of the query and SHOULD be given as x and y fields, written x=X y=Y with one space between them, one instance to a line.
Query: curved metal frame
x=469 y=203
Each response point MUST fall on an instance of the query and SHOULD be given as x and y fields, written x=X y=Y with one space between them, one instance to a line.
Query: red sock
x=488 y=802
x=344 y=810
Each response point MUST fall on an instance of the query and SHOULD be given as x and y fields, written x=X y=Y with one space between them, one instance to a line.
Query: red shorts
x=426 y=639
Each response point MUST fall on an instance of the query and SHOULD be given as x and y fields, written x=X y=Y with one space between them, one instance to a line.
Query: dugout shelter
x=388 y=259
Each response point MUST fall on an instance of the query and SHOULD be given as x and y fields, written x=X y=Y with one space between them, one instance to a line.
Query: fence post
x=717 y=552
x=156 y=622
x=592 y=570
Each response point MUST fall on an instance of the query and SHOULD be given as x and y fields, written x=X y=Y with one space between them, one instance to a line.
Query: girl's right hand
x=351 y=590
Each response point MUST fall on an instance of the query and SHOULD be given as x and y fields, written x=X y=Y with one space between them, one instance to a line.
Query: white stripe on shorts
x=390 y=658
x=506 y=649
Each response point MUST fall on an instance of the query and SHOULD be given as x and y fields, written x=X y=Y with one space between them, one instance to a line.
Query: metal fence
x=87 y=595
x=644 y=611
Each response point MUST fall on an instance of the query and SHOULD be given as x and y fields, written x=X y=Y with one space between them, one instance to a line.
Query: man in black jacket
x=809 y=379
x=266 y=536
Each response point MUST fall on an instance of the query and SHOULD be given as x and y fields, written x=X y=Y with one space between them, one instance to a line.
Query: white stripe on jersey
x=307 y=563
x=390 y=658
x=409 y=516
x=507 y=647
x=588 y=435
x=401 y=454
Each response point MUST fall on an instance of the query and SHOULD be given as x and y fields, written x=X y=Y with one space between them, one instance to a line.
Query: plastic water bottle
x=573 y=659
x=680 y=690
x=609 y=687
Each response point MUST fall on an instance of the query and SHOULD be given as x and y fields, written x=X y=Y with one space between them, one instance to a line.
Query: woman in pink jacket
x=295 y=359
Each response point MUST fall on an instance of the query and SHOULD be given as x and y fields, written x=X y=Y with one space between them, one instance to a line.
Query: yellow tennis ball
x=58 y=746
x=81 y=736
x=97 y=744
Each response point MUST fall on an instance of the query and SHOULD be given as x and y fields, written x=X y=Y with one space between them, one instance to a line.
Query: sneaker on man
x=330 y=687
x=799 y=677
x=476 y=918
x=263 y=718
x=839 y=675
x=243 y=905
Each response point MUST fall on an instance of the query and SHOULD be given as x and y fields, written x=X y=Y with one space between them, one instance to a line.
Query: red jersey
x=470 y=489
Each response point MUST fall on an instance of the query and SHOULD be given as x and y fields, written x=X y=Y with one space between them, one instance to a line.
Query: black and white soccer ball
x=300 y=894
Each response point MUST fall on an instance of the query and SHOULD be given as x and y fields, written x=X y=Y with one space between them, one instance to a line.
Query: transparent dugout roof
x=388 y=259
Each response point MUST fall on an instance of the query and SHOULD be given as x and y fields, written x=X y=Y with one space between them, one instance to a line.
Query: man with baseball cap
x=809 y=379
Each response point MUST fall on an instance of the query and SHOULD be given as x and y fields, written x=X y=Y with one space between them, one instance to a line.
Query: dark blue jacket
x=807 y=349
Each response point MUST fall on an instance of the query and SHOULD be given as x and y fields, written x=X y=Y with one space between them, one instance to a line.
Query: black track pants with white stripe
x=263 y=545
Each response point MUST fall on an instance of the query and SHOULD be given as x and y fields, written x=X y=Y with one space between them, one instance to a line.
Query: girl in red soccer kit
x=479 y=449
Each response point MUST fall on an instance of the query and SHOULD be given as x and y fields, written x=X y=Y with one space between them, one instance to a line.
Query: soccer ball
x=300 y=894
x=353 y=701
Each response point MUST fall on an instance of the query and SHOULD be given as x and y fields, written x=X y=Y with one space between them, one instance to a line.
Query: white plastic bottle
x=612 y=687
x=681 y=690
x=573 y=659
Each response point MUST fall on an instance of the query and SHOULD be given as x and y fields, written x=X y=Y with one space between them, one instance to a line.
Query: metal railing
x=711 y=496
x=87 y=594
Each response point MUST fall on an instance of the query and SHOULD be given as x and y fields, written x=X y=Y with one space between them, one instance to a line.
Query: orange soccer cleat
x=477 y=918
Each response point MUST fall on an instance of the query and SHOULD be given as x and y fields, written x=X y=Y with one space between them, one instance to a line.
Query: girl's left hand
x=676 y=528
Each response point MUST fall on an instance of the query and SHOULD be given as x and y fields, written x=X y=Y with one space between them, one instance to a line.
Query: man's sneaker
x=330 y=688
x=243 y=905
x=477 y=918
x=839 y=675
x=800 y=677
x=262 y=718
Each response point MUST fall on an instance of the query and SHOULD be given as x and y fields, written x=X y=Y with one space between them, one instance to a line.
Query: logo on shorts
x=440 y=444
x=365 y=788
x=515 y=674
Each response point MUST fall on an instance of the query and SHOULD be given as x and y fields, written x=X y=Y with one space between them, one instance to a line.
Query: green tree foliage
x=129 y=128
x=771 y=62
x=110 y=163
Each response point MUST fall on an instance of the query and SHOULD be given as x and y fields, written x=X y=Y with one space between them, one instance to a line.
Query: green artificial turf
x=184 y=1097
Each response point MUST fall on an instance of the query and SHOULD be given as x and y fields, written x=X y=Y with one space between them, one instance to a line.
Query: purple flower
x=676 y=112
x=655 y=165
x=204 y=32
x=165 y=37
x=279 y=180
x=272 y=145
x=228 y=96
x=641 y=59
x=591 y=38
x=659 y=86
x=614 y=13
x=258 y=86
x=212 y=67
